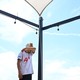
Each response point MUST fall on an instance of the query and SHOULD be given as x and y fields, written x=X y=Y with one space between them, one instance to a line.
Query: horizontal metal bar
x=61 y=22
x=18 y=18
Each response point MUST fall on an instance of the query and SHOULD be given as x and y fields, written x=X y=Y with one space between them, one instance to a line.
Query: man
x=24 y=62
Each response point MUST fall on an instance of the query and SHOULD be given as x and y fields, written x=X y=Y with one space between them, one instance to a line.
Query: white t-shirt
x=26 y=63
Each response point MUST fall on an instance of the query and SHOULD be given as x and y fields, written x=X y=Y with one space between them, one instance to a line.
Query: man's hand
x=20 y=76
x=19 y=69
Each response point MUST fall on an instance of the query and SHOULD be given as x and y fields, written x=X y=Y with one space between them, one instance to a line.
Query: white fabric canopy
x=39 y=5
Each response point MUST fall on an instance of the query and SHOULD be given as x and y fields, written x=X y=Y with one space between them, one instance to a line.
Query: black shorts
x=27 y=77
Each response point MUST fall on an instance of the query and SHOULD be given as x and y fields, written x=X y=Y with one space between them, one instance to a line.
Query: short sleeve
x=20 y=56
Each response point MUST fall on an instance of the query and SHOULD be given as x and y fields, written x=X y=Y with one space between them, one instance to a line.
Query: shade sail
x=39 y=5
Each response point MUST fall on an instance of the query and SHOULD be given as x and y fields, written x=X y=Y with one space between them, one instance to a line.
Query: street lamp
x=39 y=6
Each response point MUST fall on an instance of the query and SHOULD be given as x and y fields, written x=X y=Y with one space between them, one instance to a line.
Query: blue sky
x=61 y=49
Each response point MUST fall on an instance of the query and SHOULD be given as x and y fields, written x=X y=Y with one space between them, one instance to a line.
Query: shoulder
x=20 y=55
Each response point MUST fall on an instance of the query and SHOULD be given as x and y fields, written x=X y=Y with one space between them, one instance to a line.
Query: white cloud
x=2 y=48
x=53 y=66
x=8 y=68
x=76 y=11
x=63 y=34
x=20 y=8
x=49 y=14
x=14 y=33
x=9 y=31
x=71 y=71
x=57 y=67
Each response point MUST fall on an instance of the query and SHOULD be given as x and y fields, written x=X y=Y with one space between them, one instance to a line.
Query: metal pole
x=18 y=18
x=40 y=51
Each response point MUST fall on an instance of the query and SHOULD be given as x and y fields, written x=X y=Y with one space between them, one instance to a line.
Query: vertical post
x=40 y=50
